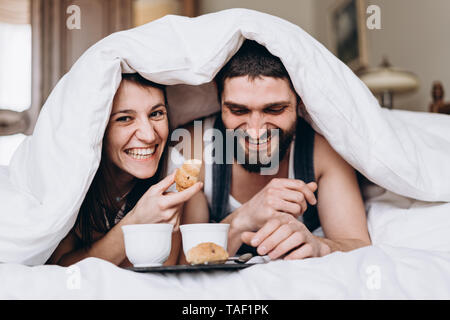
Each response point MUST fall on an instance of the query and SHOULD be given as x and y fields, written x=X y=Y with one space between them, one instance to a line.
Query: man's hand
x=278 y=197
x=288 y=237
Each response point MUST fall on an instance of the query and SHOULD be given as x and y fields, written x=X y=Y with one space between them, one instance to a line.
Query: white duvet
x=404 y=154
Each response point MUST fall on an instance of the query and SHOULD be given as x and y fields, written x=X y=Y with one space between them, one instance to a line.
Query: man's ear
x=300 y=106
x=301 y=110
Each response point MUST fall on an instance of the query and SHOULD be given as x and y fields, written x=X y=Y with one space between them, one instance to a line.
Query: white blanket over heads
x=43 y=187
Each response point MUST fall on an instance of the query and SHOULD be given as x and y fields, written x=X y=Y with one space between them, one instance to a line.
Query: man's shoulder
x=321 y=144
x=205 y=123
x=325 y=157
x=193 y=130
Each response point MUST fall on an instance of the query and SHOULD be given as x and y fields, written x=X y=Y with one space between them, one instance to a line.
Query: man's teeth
x=258 y=141
x=141 y=153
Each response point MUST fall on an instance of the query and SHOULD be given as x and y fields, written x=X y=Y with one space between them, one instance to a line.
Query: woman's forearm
x=110 y=247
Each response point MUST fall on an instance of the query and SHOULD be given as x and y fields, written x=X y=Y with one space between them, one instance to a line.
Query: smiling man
x=276 y=212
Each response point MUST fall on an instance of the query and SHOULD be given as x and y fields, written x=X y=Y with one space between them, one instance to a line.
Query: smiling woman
x=125 y=189
x=124 y=174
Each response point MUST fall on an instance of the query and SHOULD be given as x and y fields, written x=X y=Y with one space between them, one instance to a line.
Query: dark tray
x=191 y=268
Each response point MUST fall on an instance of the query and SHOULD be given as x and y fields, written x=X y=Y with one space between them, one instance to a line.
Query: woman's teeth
x=140 y=154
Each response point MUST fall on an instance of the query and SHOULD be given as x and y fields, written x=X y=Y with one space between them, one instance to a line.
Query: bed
x=404 y=155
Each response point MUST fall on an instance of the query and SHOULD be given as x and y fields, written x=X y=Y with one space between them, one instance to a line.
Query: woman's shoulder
x=192 y=143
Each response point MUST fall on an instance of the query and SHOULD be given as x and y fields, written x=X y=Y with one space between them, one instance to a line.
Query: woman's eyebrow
x=128 y=111
x=158 y=105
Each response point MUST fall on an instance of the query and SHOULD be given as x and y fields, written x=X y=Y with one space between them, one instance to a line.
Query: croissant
x=187 y=174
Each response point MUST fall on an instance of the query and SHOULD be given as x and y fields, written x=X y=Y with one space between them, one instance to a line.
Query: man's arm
x=340 y=204
x=341 y=212
x=280 y=197
x=234 y=232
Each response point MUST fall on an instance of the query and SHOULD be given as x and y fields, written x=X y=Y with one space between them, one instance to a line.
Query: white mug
x=196 y=233
x=148 y=245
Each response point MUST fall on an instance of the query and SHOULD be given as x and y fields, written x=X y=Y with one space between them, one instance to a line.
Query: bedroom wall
x=414 y=37
x=300 y=12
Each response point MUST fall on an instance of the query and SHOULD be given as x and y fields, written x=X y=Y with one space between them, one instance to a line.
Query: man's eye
x=238 y=111
x=124 y=119
x=275 y=110
x=157 y=115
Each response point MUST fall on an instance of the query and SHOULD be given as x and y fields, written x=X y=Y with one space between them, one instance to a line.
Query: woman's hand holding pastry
x=159 y=206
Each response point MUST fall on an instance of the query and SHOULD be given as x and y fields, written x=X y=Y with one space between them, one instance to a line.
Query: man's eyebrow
x=234 y=105
x=277 y=104
x=268 y=105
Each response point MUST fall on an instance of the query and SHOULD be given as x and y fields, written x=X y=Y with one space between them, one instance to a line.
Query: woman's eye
x=123 y=119
x=157 y=115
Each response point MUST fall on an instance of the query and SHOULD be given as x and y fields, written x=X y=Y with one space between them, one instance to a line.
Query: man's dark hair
x=252 y=60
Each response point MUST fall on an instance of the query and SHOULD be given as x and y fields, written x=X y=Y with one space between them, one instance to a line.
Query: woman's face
x=137 y=131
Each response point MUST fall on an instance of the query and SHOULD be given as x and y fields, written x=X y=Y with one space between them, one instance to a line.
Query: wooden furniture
x=438 y=105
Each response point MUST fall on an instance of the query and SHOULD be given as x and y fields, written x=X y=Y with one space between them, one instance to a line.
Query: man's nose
x=256 y=126
x=145 y=131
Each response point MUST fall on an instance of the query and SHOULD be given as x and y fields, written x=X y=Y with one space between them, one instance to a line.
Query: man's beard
x=258 y=160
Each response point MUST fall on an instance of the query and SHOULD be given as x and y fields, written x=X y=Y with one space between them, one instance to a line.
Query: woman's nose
x=145 y=131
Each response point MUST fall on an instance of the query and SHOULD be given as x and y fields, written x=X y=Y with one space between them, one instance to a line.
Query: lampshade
x=386 y=78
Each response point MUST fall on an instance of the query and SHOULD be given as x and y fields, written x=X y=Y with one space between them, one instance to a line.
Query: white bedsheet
x=375 y=272
x=410 y=259
x=404 y=152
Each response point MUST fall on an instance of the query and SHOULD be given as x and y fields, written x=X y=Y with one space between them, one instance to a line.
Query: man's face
x=257 y=107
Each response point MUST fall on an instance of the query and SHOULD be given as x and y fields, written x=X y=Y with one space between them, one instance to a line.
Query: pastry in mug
x=207 y=252
x=187 y=174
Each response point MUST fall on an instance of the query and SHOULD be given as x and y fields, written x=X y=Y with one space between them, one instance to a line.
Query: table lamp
x=387 y=81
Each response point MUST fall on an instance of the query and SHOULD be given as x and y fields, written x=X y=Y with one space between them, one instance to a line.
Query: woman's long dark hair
x=99 y=208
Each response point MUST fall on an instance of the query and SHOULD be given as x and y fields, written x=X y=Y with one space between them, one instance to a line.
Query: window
x=15 y=74
x=15 y=66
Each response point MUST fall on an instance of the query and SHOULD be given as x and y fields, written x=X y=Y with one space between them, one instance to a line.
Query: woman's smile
x=142 y=154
